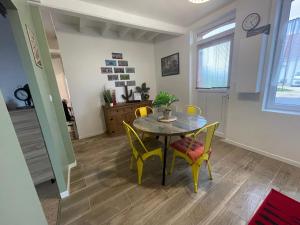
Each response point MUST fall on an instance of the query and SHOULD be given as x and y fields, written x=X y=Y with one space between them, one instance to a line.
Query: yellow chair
x=141 y=150
x=194 y=152
x=193 y=110
x=143 y=111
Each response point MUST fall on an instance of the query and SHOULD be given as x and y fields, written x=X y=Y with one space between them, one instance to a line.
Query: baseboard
x=262 y=152
x=67 y=192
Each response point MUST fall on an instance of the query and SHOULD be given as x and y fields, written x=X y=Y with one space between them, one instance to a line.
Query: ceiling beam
x=82 y=24
x=139 y=34
x=99 y=12
x=105 y=29
x=152 y=36
x=124 y=32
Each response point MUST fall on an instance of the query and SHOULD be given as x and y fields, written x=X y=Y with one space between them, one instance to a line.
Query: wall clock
x=251 y=21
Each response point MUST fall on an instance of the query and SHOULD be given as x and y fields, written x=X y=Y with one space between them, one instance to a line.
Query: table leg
x=165 y=161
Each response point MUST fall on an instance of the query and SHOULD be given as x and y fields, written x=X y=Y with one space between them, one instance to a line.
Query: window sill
x=212 y=90
x=293 y=113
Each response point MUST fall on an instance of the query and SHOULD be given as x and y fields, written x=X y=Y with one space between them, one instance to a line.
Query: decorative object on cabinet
x=117 y=55
x=130 y=83
x=137 y=96
x=163 y=101
x=114 y=116
x=170 y=65
x=130 y=70
x=113 y=77
x=122 y=63
x=34 y=47
x=109 y=62
x=108 y=97
x=127 y=95
x=31 y=139
x=124 y=77
x=106 y=70
x=144 y=91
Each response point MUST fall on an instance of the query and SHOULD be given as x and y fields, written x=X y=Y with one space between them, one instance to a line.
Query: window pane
x=213 y=65
x=288 y=82
x=219 y=30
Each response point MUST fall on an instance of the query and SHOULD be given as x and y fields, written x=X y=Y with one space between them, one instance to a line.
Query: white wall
x=83 y=55
x=12 y=74
x=272 y=134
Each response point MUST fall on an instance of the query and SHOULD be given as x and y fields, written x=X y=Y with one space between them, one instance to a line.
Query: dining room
x=184 y=115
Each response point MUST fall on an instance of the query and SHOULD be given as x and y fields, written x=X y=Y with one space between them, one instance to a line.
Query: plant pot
x=111 y=104
x=167 y=113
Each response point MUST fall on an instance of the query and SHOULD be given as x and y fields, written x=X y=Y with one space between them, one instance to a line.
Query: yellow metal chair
x=141 y=150
x=195 y=152
x=143 y=111
x=193 y=110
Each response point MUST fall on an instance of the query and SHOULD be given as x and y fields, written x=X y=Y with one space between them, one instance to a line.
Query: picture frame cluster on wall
x=117 y=70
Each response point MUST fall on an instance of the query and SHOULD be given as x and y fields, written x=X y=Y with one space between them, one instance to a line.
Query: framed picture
x=112 y=77
x=118 y=70
x=137 y=96
x=34 y=47
x=106 y=70
x=130 y=83
x=110 y=62
x=117 y=55
x=170 y=65
x=122 y=63
x=119 y=83
x=130 y=70
x=124 y=77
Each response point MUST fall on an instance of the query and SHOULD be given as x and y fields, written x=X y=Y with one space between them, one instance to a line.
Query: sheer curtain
x=213 y=64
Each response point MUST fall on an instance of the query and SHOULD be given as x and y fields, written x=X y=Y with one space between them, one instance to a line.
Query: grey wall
x=12 y=74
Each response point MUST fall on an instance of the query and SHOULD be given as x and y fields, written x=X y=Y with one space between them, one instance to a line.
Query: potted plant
x=163 y=101
x=144 y=91
x=108 y=97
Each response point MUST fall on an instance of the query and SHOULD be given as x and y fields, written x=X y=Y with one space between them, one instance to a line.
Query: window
x=214 y=57
x=284 y=91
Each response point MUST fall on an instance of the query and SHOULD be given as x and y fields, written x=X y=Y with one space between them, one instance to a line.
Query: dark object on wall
x=23 y=94
x=110 y=62
x=106 y=70
x=113 y=77
x=3 y=11
x=144 y=91
x=119 y=83
x=68 y=115
x=117 y=55
x=115 y=115
x=124 y=77
x=170 y=65
x=127 y=95
x=260 y=30
x=119 y=70
x=122 y=63
x=130 y=70
x=130 y=83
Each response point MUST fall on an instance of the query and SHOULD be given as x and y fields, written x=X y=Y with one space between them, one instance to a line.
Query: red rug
x=277 y=209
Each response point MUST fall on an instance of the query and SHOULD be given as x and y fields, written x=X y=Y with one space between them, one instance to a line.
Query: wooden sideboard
x=30 y=136
x=115 y=115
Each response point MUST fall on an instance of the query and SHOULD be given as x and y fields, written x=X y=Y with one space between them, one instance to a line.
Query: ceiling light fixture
x=198 y=1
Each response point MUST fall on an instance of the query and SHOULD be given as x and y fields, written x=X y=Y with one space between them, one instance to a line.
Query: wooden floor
x=105 y=191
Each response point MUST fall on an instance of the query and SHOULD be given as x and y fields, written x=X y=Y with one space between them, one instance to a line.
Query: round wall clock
x=251 y=21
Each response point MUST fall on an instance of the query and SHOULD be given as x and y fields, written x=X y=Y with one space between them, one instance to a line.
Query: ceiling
x=178 y=12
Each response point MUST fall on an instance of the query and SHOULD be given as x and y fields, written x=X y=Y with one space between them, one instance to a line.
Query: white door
x=214 y=108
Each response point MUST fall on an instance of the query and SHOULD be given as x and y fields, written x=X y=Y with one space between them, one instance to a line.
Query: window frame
x=208 y=42
x=271 y=105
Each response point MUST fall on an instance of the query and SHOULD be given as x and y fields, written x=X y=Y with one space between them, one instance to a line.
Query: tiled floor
x=105 y=191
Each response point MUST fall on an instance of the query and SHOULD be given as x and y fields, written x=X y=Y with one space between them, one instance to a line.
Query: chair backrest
x=134 y=139
x=193 y=110
x=143 y=111
x=210 y=132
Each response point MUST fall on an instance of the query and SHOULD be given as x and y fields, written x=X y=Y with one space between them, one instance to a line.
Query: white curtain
x=213 y=64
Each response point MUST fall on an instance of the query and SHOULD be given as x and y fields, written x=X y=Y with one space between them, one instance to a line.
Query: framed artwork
x=34 y=47
x=106 y=70
x=110 y=62
x=117 y=55
x=119 y=83
x=137 y=96
x=130 y=83
x=118 y=70
x=112 y=77
x=124 y=77
x=122 y=63
x=170 y=65
x=130 y=70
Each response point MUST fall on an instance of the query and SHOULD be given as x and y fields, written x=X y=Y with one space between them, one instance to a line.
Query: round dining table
x=184 y=124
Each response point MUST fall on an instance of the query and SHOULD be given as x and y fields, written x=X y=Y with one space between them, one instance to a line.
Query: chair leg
x=209 y=170
x=195 y=171
x=160 y=156
x=131 y=162
x=140 y=165
x=173 y=163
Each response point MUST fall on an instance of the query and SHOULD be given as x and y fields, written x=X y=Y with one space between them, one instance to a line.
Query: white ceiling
x=178 y=12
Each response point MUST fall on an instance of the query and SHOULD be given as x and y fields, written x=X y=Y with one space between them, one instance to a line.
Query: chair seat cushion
x=150 y=144
x=196 y=150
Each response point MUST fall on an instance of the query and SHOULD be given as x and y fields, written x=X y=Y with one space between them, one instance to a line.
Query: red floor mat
x=277 y=209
